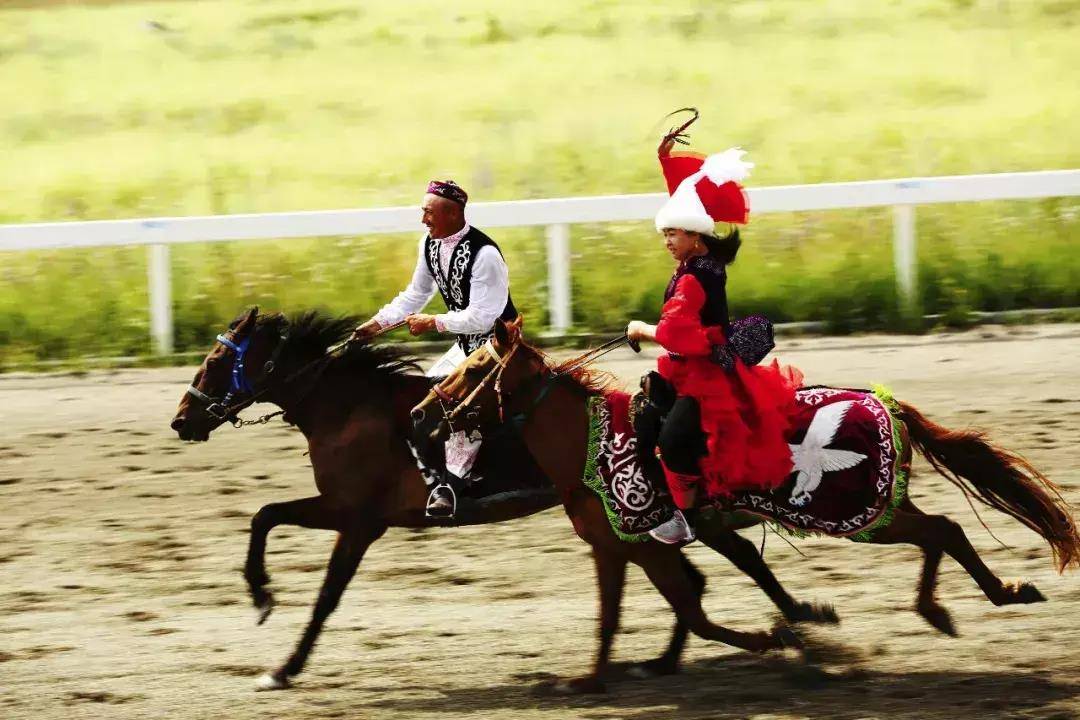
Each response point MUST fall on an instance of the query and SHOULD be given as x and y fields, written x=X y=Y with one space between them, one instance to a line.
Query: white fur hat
x=704 y=190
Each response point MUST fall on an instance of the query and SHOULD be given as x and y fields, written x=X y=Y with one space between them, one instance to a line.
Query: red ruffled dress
x=745 y=413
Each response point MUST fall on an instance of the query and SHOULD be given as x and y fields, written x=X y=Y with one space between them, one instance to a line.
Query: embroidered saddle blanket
x=849 y=468
x=634 y=504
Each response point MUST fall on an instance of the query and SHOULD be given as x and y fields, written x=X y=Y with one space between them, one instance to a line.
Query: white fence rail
x=557 y=214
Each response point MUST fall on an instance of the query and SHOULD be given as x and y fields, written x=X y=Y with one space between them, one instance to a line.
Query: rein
x=220 y=409
x=496 y=373
x=590 y=356
x=578 y=363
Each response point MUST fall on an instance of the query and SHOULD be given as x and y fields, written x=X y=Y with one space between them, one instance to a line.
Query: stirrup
x=431 y=499
x=676 y=531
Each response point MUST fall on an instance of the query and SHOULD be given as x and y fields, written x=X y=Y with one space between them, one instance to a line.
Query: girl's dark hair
x=724 y=248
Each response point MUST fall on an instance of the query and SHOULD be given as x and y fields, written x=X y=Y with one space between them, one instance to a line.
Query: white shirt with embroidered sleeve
x=414 y=297
x=488 y=290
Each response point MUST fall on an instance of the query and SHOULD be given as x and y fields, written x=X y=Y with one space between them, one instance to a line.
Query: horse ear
x=251 y=316
x=513 y=329
x=245 y=318
x=502 y=333
x=519 y=322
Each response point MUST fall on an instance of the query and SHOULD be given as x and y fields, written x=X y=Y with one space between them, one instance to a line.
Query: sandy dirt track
x=121 y=594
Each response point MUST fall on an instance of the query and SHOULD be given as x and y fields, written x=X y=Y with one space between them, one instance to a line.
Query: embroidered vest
x=712 y=274
x=456 y=284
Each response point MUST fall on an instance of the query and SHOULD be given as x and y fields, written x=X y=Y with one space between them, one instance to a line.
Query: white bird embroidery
x=813 y=457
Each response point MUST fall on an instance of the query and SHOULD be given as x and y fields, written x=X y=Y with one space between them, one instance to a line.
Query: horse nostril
x=178 y=422
x=417 y=415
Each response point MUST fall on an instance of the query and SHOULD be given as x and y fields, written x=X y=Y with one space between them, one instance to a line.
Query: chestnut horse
x=508 y=378
x=353 y=407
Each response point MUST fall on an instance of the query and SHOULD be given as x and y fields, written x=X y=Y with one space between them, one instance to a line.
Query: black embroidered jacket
x=455 y=285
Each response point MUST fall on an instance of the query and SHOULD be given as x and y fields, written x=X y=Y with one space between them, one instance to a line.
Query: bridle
x=220 y=408
x=451 y=406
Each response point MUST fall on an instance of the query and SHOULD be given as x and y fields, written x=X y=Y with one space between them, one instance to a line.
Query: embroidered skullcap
x=448 y=189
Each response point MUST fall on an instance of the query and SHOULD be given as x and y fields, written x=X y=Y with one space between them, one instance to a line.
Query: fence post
x=904 y=260
x=558 y=261
x=159 y=276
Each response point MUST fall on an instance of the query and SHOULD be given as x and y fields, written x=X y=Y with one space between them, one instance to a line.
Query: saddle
x=850 y=465
x=648 y=409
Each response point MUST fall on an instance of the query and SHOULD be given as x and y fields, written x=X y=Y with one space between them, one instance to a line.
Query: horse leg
x=743 y=555
x=926 y=603
x=611 y=575
x=668 y=663
x=312 y=512
x=935 y=535
x=349 y=550
x=670 y=577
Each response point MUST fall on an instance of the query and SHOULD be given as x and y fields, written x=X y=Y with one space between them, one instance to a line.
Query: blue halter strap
x=239 y=384
x=239 y=377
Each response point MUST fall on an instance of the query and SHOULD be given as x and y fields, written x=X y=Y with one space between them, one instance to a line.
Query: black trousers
x=681 y=441
x=673 y=423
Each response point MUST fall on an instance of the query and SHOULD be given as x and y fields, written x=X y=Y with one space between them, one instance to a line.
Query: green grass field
x=268 y=106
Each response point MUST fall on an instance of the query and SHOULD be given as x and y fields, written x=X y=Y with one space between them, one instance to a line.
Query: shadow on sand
x=827 y=682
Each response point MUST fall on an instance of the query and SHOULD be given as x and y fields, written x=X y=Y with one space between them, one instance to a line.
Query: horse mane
x=313 y=332
x=589 y=381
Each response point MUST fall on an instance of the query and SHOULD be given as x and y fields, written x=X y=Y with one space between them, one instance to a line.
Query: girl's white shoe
x=676 y=531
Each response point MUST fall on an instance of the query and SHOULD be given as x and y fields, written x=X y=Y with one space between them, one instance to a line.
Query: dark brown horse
x=509 y=378
x=354 y=412
x=353 y=408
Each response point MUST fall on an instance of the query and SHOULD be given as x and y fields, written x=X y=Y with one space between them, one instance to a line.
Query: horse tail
x=998 y=478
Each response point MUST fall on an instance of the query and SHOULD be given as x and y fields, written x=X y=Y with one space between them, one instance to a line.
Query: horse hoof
x=1019 y=593
x=658 y=667
x=263 y=610
x=813 y=613
x=1027 y=593
x=271 y=681
x=939 y=618
x=587 y=685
